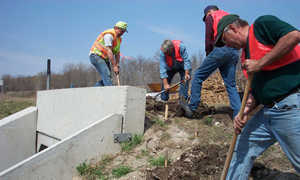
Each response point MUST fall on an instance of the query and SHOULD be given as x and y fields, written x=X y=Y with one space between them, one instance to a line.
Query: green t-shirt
x=267 y=86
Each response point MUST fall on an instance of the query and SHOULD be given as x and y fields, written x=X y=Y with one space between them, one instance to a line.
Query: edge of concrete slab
x=60 y=160
x=17 y=137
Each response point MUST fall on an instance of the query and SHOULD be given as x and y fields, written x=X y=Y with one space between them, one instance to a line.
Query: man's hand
x=241 y=120
x=116 y=69
x=167 y=86
x=251 y=65
x=187 y=76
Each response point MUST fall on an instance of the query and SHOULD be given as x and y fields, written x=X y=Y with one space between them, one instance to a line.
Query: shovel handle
x=169 y=88
x=233 y=141
x=118 y=79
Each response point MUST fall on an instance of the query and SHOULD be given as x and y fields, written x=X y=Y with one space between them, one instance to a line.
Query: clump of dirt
x=198 y=162
x=206 y=162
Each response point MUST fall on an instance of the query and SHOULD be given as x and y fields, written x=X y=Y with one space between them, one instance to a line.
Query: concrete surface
x=65 y=111
x=60 y=160
x=134 y=112
x=17 y=137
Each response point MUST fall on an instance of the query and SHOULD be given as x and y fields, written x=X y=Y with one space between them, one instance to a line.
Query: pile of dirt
x=204 y=162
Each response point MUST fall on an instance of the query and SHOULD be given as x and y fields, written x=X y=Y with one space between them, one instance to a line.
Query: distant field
x=10 y=105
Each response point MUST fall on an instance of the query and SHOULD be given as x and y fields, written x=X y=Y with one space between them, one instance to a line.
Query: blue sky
x=31 y=31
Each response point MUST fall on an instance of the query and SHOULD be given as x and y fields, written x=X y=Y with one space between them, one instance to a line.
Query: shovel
x=118 y=79
x=175 y=85
x=233 y=141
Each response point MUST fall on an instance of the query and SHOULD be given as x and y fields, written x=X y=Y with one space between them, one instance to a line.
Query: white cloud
x=170 y=32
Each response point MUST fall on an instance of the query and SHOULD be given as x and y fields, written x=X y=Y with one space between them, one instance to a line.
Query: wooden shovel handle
x=233 y=141
x=118 y=79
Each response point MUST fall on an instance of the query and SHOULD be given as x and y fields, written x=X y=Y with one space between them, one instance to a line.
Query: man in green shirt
x=272 y=55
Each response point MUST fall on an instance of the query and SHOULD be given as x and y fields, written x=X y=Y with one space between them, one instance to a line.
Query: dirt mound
x=199 y=162
x=206 y=162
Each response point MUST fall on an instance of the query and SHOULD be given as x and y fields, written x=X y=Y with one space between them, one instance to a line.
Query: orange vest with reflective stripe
x=169 y=61
x=101 y=50
x=258 y=50
x=217 y=16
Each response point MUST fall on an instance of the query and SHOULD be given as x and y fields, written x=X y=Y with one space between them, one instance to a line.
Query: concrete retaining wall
x=134 y=113
x=60 y=160
x=17 y=137
x=65 y=111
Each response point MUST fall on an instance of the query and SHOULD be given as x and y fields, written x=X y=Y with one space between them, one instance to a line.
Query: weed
x=144 y=152
x=160 y=161
x=106 y=159
x=82 y=169
x=90 y=172
x=121 y=171
x=128 y=146
x=208 y=121
x=160 y=122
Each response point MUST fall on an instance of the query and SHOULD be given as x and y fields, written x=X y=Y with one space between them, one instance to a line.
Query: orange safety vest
x=102 y=51
x=217 y=16
x=258 y=50
x=169 y=61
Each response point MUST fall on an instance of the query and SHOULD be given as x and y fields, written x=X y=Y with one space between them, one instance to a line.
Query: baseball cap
x=121 y=25
x=225 y=21
x=209 y=8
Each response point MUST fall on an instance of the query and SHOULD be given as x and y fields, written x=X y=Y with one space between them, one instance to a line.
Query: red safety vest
x=217 y=16
x=258 y=50
x=178 y=57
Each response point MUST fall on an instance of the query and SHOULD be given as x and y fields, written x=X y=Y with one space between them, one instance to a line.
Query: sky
x=32 y=31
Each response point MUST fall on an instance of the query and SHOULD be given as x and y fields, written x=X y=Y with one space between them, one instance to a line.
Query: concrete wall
x=60 y=160
x=65 y=111
x=135 y=110
x=17 y=137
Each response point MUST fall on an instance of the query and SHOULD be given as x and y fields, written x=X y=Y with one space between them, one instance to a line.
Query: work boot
x=187 y=110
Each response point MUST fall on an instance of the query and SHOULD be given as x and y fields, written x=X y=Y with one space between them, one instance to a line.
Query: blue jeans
x=280 y=123
x=224 y=58
x=184 y=87
x=103 y=68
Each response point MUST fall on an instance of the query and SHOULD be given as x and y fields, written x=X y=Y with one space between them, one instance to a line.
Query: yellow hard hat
x=121 y=25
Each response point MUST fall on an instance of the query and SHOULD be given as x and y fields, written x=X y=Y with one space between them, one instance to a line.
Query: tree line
x=135 y=72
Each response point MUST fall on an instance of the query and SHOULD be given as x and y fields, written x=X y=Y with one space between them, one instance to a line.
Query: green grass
x=208 y=121
x=91 y=172
x=145 y=152
x=128 y=146
x=82 y=169
x=9 y=107
x=160 y=161
x=121 y=171
x=160 y=122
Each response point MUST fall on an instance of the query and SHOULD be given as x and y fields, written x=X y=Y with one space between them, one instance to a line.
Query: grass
x=121 y=171
x=9 y=107
x=128 y=146
x=160 y=161
x=91 y=172
x=208 y=121
x=159 y=122
x=106 y=159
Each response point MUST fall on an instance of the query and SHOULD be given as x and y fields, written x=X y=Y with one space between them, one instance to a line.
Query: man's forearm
x=117 y=58
x=187 y=72
x=111 y=57
x=165 y=81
